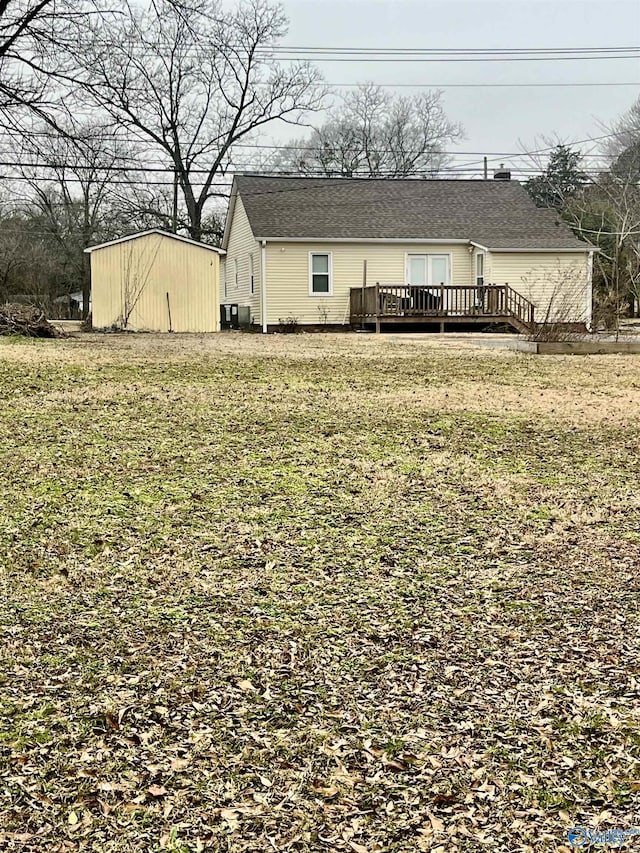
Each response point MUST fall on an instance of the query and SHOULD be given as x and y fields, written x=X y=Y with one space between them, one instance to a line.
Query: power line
x=444 y=55
x=454 y=59
x=170 y=169
x=237 y=168
x=437 y=54
x=441 y=174
x=233 y=167
x=295 y=147
x=222 y=185
x=482 y=85
x=293 y=53
x=270 y=55
x=264 y=146
x=454 y=50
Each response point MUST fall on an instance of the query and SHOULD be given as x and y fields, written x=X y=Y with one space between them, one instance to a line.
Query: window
x=480 y=269
x=320 y=274
x=252 y=284
x=428 y=270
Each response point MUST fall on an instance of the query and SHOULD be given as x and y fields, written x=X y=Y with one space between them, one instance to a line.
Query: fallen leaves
x=157 y=790
x=312 y=609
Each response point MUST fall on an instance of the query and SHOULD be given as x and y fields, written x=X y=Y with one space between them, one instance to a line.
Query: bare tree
x=607 y=214
x=12 y=248
x=377 y=134
x=193 y=81
x=136 y=270
x=623 y=148
x=33 y=75
x=74 y=201
x=557 y=301
x=603 y=208
x=27 y=263
x=20 y=35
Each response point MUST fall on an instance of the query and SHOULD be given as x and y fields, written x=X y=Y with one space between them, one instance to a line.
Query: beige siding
x=288 y=275
x=558 y=285
x=130 y=282
x=242 y=245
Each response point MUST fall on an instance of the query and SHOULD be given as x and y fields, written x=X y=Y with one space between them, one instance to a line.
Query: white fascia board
x=161 y=233
x=230 y=210
x=421 y=240
x=575 y=251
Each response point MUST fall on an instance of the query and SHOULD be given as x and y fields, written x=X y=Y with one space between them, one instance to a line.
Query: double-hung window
x=320 y=274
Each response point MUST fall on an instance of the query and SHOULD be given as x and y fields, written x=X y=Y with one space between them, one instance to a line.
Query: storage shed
x=155 y=281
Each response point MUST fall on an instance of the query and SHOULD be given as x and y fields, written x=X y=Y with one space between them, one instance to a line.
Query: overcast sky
x=495 y=119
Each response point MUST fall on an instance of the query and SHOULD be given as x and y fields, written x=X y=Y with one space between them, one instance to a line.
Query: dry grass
x=315 y=593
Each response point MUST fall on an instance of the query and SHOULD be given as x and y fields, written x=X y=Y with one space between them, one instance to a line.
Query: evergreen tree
x=561 y=180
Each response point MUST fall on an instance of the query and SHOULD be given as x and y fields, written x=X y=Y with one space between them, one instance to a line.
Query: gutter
x=420 y=241
x=357 y=240
x=578 y=249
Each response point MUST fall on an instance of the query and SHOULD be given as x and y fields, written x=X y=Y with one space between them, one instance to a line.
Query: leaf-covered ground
x=316 y=593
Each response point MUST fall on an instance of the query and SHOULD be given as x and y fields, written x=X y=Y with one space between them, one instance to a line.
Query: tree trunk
x=86 y=285
x=195 y=222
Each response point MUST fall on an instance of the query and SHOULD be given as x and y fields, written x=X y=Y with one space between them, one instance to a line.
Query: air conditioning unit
x=244 y=316
x=228 y=316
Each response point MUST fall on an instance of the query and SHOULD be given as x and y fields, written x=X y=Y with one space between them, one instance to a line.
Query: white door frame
x=428 y=256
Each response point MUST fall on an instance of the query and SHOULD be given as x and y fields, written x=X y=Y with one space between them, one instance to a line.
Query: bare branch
x=194 y=81
x=374 y=134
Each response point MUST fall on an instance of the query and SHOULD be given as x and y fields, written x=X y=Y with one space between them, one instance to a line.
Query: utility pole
x=486 y=169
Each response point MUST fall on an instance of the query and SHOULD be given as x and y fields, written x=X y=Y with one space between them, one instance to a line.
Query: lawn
x=316 y=593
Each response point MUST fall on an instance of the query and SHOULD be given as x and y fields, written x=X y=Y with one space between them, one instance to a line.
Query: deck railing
x=381 y=302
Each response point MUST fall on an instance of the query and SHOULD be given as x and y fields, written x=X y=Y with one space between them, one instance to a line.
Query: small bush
x=289 y=326
x=606 y=311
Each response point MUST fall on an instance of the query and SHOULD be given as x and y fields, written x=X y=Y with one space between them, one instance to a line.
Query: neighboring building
x=68 y=307
x=156 y=282
x=434 y=250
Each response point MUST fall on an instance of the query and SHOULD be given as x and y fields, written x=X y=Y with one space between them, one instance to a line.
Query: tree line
x=122 y=116
x=602 y=208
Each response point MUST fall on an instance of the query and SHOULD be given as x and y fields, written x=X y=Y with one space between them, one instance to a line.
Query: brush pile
x=27 y=321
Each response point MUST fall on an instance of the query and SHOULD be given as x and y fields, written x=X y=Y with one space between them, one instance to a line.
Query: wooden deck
x=401 y=303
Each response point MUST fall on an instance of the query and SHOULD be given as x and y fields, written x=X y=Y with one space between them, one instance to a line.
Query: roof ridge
x=364 y=179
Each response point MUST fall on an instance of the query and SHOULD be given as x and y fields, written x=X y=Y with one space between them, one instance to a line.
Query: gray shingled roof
x=496 y=214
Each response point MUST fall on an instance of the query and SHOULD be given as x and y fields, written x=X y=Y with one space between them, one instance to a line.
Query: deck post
x=377 y=296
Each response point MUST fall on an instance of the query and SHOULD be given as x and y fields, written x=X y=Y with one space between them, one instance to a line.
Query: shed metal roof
x=155 y=231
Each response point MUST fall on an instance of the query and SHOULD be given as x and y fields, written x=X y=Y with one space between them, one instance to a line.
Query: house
x=343 y=252
x=155 y=281
x=70 y=306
